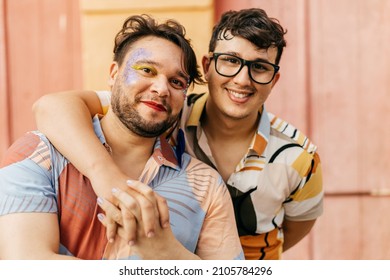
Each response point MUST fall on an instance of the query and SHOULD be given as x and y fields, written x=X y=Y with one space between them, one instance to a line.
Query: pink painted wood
x=43 y=55
x=335 y=87
x=4 y=97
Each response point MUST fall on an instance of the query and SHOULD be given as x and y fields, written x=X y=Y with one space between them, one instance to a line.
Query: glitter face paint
x=186 y=89
x=130 y=75
x=129 y=72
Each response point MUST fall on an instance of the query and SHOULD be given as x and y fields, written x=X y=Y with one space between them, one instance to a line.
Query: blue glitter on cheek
x=130 y=74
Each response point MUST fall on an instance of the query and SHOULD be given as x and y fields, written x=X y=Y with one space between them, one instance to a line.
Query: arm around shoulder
x=66 y=120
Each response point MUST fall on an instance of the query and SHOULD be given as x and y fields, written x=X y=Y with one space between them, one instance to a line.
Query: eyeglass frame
x=248 y=63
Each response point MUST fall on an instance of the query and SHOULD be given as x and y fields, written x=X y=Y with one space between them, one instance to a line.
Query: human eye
x=229 y=59
x=147 y=70
x=179 y=83
x=261 y=67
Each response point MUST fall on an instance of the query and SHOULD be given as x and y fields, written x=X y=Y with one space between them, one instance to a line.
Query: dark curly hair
x=139 y=26
x=251 y=24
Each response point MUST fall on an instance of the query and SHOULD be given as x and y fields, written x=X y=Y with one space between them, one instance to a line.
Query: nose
x=160 y=86
x=242 y=77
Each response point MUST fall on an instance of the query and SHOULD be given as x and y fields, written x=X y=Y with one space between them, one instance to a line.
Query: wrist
x=104 y=177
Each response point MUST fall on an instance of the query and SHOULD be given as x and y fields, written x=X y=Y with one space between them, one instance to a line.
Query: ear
x=276 y=79
x=113 y=73
x=206 y=61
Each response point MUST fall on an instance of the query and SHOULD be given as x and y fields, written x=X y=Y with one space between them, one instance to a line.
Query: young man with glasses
x=271 y=169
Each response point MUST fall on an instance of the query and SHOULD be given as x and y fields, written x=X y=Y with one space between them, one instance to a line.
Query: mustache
x=153 y=97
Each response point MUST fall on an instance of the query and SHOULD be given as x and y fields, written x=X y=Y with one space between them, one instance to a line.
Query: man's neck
x=228 y=134
x=129 y=150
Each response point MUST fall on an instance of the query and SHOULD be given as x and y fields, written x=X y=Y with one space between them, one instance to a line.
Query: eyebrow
x=256 y=60
x=154 y=63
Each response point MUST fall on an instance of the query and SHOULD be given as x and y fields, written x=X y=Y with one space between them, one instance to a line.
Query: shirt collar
x=197 y=110
x=260 y=140
x=163 y=153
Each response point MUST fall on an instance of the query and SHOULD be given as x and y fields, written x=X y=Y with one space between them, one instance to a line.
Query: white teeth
x=237 y=95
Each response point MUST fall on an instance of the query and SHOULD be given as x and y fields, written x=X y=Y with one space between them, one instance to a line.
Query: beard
x=126 y=111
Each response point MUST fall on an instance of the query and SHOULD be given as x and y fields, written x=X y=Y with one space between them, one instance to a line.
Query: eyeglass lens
x=230 y=65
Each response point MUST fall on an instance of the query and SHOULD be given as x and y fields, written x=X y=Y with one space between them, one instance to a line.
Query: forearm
x=162 y=247
x=65 y=118
x=295 y=231
x=39 y=256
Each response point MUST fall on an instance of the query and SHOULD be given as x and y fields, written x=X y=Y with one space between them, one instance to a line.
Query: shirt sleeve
x=306 y=201
x=105 y=99
x=26 y=178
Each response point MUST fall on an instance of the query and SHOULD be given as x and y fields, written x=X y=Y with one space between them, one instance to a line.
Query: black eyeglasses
x=229 y=65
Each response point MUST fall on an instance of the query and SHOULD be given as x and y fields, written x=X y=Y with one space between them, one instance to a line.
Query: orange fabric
x=265 y=246
x=20 y=149
x=81 y=232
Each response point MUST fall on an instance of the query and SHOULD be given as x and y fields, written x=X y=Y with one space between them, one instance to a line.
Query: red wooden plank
x=4 y=94
x=43 y=57
x=353 y=228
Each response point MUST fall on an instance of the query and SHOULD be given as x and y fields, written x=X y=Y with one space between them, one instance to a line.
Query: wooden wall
x=334 y=86
x=4 y=97
x=105 y=18
x=39 y=53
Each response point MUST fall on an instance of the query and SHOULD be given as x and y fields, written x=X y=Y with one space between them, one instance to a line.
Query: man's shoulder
x=35 y=147
x=25 y=147
x=287 y=132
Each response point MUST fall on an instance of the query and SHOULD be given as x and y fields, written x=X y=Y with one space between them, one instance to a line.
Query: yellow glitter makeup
x=143 y=67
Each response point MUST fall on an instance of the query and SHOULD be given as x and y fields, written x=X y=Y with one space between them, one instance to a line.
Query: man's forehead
x=157 y=56
x=156 y=47
x=139 y=53
x=242 y=47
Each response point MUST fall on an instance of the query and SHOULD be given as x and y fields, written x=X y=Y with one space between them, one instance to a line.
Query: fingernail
x=100 y=216
x=129 y=182
x=100 y=201
x=150 y=234
x=111 y=240
x=131 y=243
x=165 y=225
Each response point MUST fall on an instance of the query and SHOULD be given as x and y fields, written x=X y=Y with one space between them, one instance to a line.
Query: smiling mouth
x=237 y=95
x=155 y=106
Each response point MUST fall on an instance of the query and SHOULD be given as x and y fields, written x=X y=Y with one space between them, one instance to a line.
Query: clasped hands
x=134 y=213
x=141 y=218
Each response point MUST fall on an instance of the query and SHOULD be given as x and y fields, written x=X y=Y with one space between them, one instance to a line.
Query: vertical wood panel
x=354 y=228
x=42 y=54
x=351 y=92
x=335 y=87
x=373 y=79
x=101 y=20
x=4 y=94
x=350 y=103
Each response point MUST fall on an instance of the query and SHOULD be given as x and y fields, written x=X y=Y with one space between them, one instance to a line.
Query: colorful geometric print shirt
x=35 y=177
x=279 y=178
